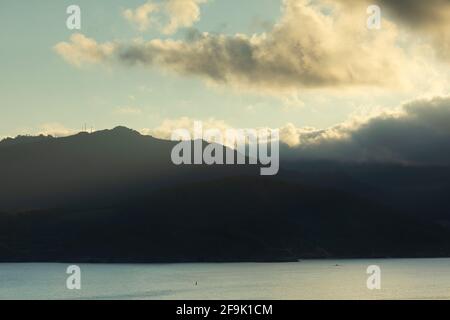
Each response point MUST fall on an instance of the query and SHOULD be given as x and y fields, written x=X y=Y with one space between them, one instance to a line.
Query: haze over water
x=330 y=279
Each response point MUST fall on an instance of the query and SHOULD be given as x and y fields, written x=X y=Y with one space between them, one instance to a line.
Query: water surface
x=315 y=279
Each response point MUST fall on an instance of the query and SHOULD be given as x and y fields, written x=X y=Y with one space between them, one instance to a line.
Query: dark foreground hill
x=92 y=169
x=237 y=219
x=114 y=196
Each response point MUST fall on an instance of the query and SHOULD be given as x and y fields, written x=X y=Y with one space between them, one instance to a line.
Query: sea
x=303 y=280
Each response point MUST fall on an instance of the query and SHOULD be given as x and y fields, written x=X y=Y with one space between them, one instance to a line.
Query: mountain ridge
x=115 y=196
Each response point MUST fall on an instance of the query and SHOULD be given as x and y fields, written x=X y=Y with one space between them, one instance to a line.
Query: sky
x=155 y=65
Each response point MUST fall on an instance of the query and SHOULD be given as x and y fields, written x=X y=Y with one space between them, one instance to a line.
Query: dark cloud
x=419 y=12
x=431 y=18
x=419 y=135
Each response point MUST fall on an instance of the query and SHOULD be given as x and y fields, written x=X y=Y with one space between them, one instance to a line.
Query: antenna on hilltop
x=84 y=128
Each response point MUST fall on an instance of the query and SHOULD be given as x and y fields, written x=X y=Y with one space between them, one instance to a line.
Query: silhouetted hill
x=87 y=169
x=23 y=139
x=414 y=190
x=115 y=196
x=235 y=219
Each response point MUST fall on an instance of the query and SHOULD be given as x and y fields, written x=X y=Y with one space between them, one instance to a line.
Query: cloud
x=141 y=16
x=431 y=18
x=307 y=48
x=82 y=50
x=55 y=129
x=175 y=14
x=168 y=126
x=417 y=133
x=182 y=13
x=289 y=134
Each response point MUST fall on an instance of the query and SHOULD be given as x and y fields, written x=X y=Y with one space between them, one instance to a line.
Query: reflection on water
x=330 y=279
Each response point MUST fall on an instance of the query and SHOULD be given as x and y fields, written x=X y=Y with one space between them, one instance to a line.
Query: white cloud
x=289 y=134
x=168 y=126
x=182 y=14
x=82 y=50
x=168 y=16
x=310 y=47
x=55 y=129
x=141 y=16
x=307 y=48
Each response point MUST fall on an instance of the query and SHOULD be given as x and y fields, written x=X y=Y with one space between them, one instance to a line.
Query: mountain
x=87 y=169
x=115 y=196
x=419 y=191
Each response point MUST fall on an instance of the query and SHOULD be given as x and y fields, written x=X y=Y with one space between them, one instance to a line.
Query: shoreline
x=218 y=262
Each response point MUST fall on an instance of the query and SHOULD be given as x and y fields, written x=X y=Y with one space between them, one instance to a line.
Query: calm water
x=331 y=279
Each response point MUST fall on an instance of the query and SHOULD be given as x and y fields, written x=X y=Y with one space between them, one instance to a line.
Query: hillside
x=115 y=196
